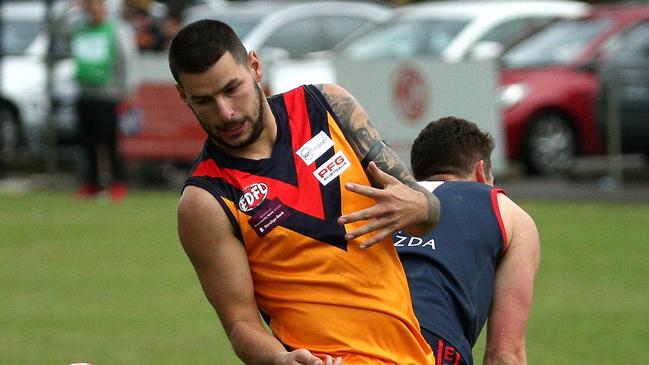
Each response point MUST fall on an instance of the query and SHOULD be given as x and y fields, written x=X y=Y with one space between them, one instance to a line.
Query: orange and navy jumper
x=315 y=289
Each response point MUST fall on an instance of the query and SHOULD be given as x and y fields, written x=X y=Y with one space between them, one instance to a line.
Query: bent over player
x=480 y=261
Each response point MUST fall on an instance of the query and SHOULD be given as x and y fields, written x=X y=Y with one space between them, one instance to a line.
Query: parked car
x=450 y=30
x=624 y=93
x=550 y=84
x=457 y=30
x=24 y=98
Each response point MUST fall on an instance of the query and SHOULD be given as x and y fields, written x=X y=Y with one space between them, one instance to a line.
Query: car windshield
x=17 y=35
x=559 y=44
x=241 y=23
x=402 y=38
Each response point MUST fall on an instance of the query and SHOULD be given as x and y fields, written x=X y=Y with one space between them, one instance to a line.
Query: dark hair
x=200 y=44
x=450 y=146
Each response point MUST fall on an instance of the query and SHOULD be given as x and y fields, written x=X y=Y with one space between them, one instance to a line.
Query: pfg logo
x=332 y=168
x=252 y=196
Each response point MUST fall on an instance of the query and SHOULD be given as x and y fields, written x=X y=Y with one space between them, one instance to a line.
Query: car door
x=507 y=34
x=626 y=73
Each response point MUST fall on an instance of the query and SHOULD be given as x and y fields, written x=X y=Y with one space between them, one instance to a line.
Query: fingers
x=361 y=215
x=372 y=226
x=366 y=190
x=378 y=237
x=379 y=176
x=304 y=356
x=330 y=361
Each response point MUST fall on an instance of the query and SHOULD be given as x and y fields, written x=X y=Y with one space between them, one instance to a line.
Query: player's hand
x=331 y=361
x=397 y=206
x=305 y=357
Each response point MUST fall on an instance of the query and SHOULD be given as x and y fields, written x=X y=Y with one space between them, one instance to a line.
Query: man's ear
x=479 y=173
x=255 y=66
x=181 y=93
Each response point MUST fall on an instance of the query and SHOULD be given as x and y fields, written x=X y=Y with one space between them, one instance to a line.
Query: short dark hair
x=200 y=44
x=450 y=145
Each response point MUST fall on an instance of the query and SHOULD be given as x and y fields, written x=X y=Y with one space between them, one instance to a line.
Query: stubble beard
x=255 y=132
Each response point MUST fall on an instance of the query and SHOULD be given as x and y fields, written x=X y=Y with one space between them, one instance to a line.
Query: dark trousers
x=98 y=130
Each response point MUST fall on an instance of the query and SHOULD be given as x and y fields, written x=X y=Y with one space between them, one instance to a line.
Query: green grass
x=101 y=283
x=110 y=284
x=591 y=300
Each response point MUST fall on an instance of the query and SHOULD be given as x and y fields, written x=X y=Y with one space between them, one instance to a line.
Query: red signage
x=410 y=92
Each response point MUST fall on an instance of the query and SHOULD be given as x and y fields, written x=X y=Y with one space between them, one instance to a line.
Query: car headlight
x=511 y=95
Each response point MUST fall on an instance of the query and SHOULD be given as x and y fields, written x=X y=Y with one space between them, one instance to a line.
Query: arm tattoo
x=388 y=161
x=363 y=138
x=354 y=121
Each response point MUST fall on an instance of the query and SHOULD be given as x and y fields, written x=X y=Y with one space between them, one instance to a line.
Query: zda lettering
x=403 y=240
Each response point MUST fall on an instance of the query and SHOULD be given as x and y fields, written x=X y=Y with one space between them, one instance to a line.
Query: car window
x=560 y=43
x=299 y=37
x=515 y=30
x=242 y=23
x=403 y=39
x=17 y=35
x=340 y=27
x=631 y=44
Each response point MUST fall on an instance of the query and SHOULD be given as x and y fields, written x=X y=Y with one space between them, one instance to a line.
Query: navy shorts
x=445 y=353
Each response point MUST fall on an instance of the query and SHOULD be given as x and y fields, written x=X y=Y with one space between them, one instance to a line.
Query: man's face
x=96 y=10
x=227 y=101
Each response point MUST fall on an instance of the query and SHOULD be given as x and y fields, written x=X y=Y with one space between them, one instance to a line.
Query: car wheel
x=9 y=134
x=550 y=146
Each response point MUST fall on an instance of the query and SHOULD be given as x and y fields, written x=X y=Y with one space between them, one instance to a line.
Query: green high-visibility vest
x=93 y=49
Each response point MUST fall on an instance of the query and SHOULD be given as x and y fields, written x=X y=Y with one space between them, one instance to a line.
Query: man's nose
x=224 y=108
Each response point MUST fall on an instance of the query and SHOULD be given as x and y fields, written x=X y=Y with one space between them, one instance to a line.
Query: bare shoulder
x=332 y=90
x=510 y=208
x=343 y=103
x=354 y=121
x=518 y=223
x=194 y=201
x=200 y=219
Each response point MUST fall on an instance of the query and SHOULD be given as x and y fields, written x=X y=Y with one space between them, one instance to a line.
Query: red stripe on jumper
x=496 y=207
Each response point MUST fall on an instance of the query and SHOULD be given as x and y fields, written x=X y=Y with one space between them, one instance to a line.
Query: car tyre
x=550 y=146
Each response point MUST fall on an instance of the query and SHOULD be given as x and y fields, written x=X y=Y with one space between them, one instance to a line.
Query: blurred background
x=563 y=86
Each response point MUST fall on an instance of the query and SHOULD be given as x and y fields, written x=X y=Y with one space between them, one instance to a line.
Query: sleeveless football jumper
x=451 y=269
x=315 y=289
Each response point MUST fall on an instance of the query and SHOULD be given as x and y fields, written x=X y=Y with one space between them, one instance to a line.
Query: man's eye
x=231 y=90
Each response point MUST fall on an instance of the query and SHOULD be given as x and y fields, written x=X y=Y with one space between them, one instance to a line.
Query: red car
x=551 y=84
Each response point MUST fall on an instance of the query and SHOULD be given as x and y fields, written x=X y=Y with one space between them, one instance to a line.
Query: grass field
x=110 y=284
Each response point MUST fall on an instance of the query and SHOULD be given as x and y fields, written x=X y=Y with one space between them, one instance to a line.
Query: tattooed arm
x=401 y=203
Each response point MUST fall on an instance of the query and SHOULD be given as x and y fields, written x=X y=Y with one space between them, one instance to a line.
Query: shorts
x=445 y=353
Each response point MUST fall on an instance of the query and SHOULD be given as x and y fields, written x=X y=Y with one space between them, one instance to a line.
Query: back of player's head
x=450 y=146
x=200 y=44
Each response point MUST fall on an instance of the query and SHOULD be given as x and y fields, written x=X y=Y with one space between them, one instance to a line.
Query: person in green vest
x=105 y=53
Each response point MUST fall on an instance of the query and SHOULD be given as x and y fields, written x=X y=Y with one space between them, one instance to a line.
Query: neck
x=446 y=177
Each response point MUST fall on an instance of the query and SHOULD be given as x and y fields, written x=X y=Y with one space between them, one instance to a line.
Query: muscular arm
x=221 y=264
x=368 y=146
x=513 y=288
